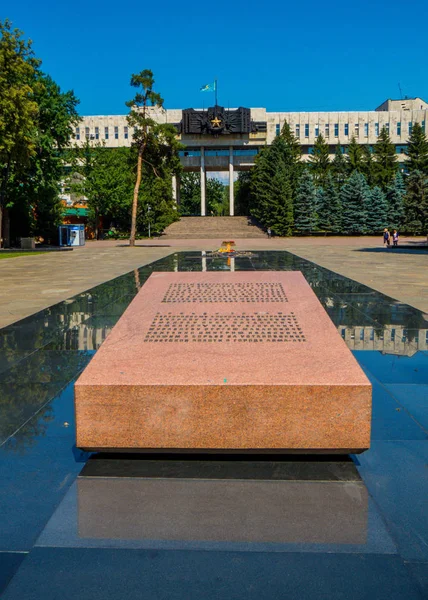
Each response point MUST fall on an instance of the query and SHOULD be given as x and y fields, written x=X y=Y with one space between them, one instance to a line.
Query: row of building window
x=220 y=152
x=399 y=149
x=96 y=135
x=346 y=129
x=364 y=335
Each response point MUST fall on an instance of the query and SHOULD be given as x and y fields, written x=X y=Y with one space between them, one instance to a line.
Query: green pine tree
x=416 y=203
x=242 y=190
x=395 y=199
x=329 y=207
x=292 y=154
x=319 y=161
x=261 y=197
x=355 y=196
x=417 y=151
x=322 y=219
x=385 y=160
x=339 y=168
x=282 y=202
x=354 y=159
x=305 y=205
x=368 y=165
x=377 y=208
x=274 y=181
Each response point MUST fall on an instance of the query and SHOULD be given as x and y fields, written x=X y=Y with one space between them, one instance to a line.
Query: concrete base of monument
x=209 y=362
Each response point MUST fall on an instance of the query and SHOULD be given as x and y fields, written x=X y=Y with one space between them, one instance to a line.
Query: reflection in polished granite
x=395 y=473
x=249 y=516
x=38 y=463
x=42 y=355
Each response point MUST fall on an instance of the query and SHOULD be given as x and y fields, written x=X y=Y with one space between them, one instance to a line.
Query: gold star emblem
x=216 y=122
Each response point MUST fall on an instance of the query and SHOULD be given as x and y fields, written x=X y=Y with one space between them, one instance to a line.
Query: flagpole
x=215 y=85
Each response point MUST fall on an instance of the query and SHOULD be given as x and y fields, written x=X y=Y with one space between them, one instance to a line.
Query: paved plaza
x=32 y=283
x=85 y=526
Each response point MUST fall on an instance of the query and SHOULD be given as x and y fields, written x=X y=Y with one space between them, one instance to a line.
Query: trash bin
x=71 y=235
x=28 y=243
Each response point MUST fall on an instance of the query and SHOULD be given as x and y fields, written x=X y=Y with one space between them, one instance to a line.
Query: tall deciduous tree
x=38 y=191
x=395 y=199
x=416 y=203
x=385 y=159
x=36 y=124
x=217 y=195
x=417 y=150
x=377 y=208
x=152 y=142
x=217 y=200
x=355 y=196
x=354 y=158
x=190 y=194
x=305 y=205
x=18 y=109
x=106 y=181
x=319 y=161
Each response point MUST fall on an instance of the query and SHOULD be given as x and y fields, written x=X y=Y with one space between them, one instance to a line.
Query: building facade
x=216 y=139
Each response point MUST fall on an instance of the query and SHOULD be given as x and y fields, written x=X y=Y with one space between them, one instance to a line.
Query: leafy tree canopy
x=36 y=123
x=156 y=146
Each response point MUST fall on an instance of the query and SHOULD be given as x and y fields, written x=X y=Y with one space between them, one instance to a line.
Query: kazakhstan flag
x=208 y=87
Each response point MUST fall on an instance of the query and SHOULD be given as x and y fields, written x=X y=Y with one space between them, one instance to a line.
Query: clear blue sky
x=290 y=56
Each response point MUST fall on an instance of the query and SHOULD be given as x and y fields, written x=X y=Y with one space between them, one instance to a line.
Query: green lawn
x=5 y=254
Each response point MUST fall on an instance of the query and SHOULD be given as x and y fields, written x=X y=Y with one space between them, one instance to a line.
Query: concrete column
x=174 y=191
x=203 y=183
x=204 y=260
x=231 y=196
x=178 y=190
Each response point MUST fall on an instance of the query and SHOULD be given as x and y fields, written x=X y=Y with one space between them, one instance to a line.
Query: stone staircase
x=221 y=228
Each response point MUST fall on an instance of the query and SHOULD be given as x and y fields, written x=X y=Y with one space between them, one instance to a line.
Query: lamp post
x=149 y=208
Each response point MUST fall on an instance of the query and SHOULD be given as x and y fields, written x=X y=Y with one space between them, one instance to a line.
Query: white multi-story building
x=229 y=140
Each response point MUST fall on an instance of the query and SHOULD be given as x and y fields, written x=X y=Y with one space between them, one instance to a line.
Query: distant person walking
x=269 y=232
x=386 y=238
x=395 y=238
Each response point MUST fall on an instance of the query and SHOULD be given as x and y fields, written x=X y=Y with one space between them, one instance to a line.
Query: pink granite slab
x=230 y=361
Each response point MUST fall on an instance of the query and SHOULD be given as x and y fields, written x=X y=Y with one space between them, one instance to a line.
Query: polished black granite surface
x=212 y=527
x=109 y=574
